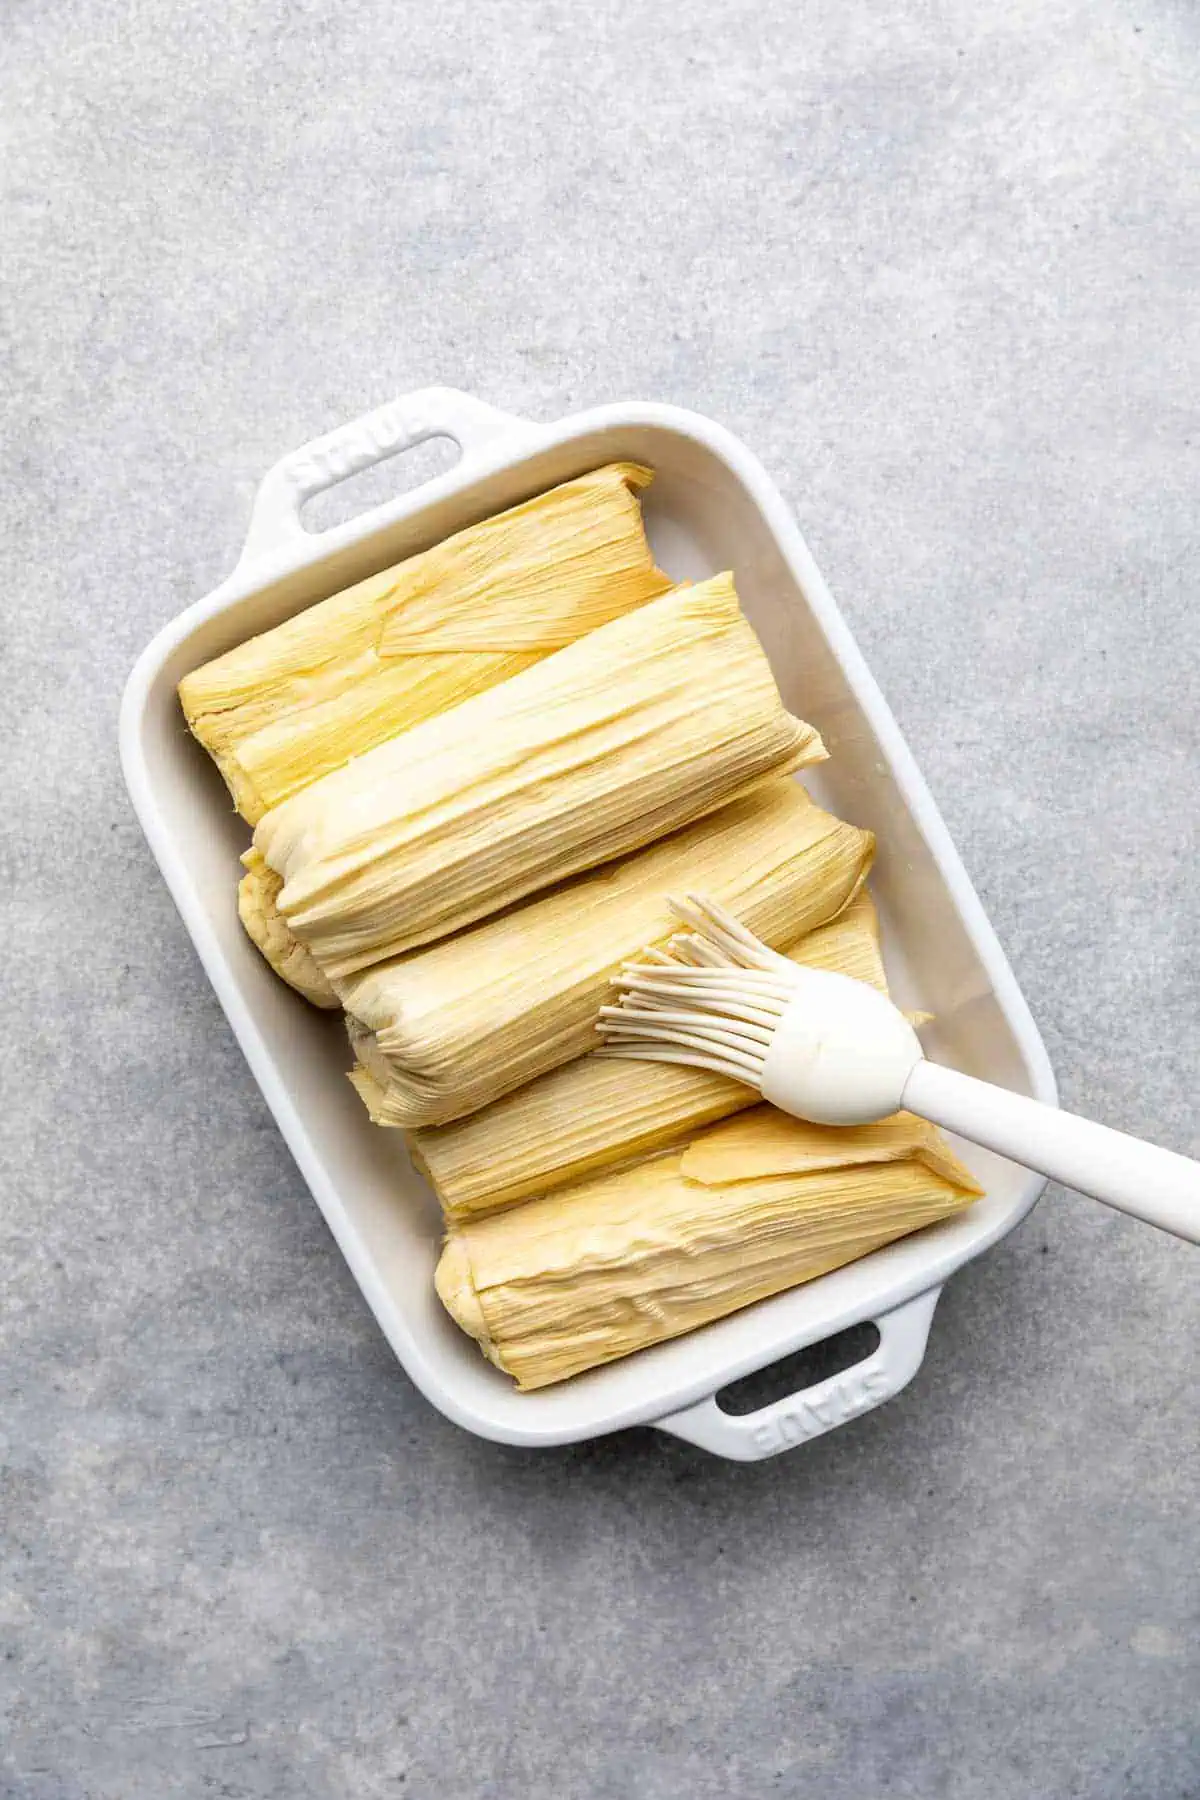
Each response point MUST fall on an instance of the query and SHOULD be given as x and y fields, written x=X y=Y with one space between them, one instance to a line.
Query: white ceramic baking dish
x=711 y=507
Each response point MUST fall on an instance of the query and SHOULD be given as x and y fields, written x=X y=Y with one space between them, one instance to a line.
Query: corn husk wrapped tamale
x=597 y=1111
x=258 y=895
x=295 y=703
x=455 y=1026
x=645 y=724
x=644 y=1253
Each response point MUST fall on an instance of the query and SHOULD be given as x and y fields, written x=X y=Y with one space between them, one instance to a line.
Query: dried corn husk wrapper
x=295 y=703
x=258 y=895
x=769 y=1142
x=645 y=1253
x=454 y=1027
x=597 y=1111
x=645 y=724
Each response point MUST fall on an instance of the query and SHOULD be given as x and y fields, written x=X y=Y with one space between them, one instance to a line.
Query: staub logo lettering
x=821 y=1410
x=357 y=446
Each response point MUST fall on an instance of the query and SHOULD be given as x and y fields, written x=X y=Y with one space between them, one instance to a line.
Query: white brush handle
x=1150 y=1184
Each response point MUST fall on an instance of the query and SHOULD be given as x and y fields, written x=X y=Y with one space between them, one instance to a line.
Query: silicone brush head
x=816 y=1044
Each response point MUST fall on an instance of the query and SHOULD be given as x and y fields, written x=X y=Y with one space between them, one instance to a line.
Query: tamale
x=594 y=1112
x=258 y=895
x=350 y=672
x=457 y=1025
x=642 y=726
x=638 y=1255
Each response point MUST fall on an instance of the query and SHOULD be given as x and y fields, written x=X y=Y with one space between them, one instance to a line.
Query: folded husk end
x=258 y=892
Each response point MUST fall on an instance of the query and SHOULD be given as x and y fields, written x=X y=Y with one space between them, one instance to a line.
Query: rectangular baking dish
x=711 y=507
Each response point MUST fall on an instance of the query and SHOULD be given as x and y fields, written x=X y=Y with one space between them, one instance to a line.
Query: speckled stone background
x=937 y=262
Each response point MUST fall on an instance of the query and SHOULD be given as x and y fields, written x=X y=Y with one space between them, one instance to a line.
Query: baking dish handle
x=749 y=1437
x=389 y=430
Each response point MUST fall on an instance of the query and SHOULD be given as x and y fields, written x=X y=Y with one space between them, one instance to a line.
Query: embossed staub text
x=820 y=1410
x=393 y=427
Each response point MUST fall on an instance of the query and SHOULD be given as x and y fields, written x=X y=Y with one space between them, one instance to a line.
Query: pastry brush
x=834 y=1051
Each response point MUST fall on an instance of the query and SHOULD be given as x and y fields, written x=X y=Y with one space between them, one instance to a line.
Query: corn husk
x=642 y=726
x=454 y=1027
x=595 y=1112
x=347 y=674
x=770 y=1142
x=630 y=1258
x=258 y=895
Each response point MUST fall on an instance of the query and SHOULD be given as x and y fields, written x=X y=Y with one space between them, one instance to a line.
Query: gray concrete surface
x=937 y=262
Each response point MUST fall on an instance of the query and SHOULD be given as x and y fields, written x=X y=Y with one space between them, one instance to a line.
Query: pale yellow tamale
x=634 y=1256
x=597 y=1111
x=644 y=725
x=455 y=1026
x=258 y=894
x=289 y=706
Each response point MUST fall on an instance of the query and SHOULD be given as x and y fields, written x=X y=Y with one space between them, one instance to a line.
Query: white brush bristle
x=712 y=999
